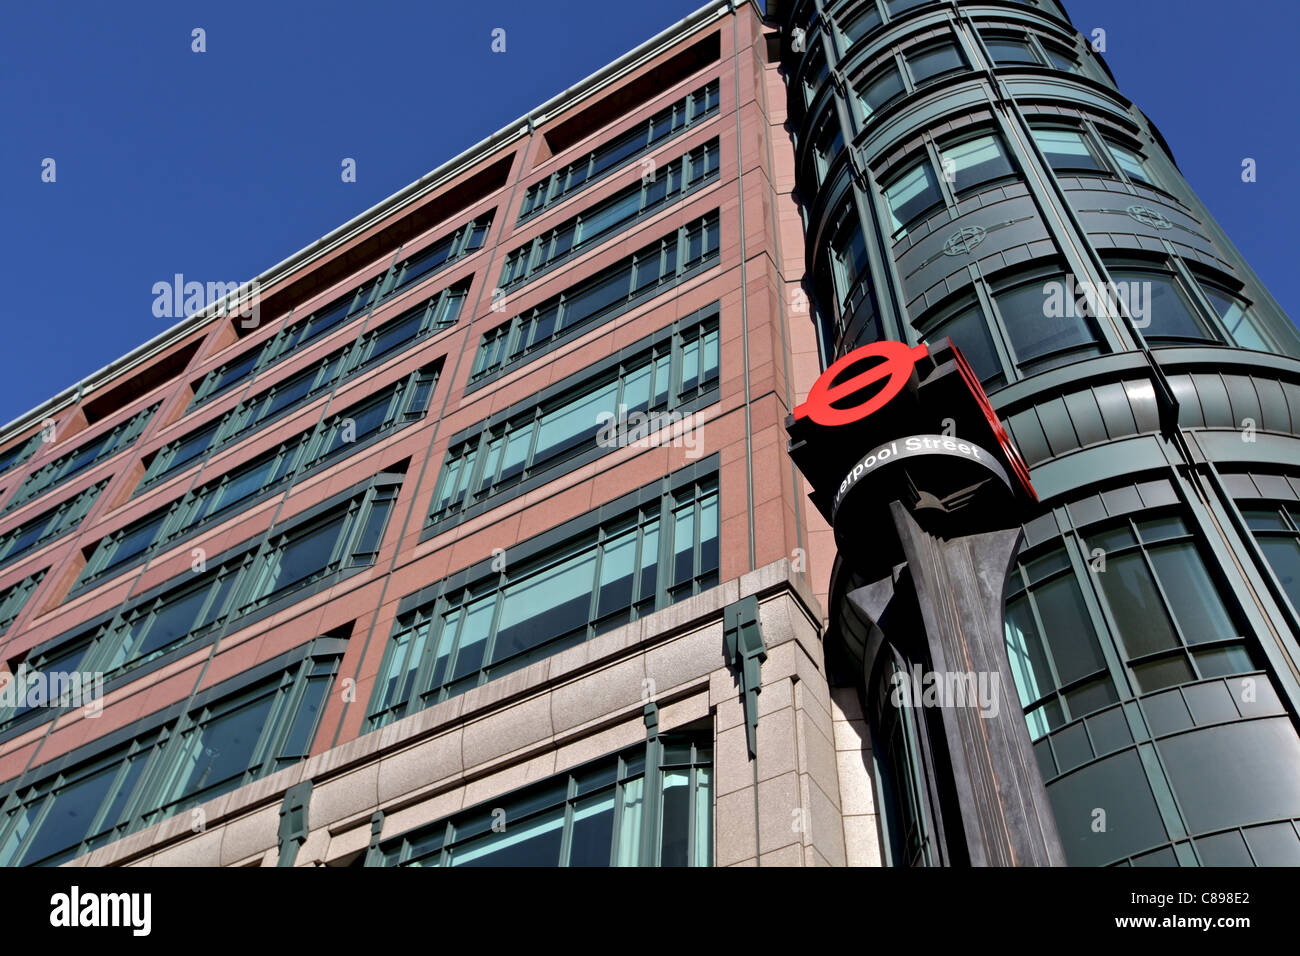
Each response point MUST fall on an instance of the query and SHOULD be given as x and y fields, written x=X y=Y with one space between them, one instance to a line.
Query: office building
x=476 y=539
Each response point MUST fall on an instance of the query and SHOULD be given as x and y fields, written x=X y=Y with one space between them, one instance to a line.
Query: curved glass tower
x=971 y=171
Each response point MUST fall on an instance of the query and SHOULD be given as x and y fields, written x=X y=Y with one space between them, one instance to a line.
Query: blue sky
x=220 y=164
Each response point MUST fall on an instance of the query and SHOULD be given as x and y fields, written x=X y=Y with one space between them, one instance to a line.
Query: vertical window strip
x=20 y=453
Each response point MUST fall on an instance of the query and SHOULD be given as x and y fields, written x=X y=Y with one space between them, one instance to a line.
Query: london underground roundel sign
x=843 y=394
x=836 y=384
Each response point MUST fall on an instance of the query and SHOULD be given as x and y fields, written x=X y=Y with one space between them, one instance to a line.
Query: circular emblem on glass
x=1150 y=217
x=964 y=240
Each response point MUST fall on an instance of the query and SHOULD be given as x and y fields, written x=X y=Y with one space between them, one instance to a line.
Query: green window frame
x=933 y=61
x=1174 y=318
x=651 y=270
x=620 y=151
x=1038 y=341
x=338 y=436
x=969 y=330
x=650 y=805
x=1056 y=655
x=1069 y=150
x=14 y=597
x=602 y=574
x=370 y=349
x=879 y=90
x=897 y=766
x=63 y=660
x=1130 y=162
x=1159 y=596
x=974 y=161
x=45 y=527
x=435 y=257
x=68 y=466
x=866 y=19
x=75 y=809
x=20 y=452
x=305 y=550
x=1276 y=529
x=1013 y=48
x=497 y=457
x=911 y=194
x=574 y=236
x=442 y=309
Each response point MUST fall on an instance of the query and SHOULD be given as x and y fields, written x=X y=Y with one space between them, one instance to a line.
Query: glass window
x=1163 y=600
x=17 y=454
x=896 y=7
x=830 y=141
x=1166 y=314
x=1042 y=334
x=881 y=89
x=1129 y=161
x=217 y=751
x=864 y=21
x=296 y=391
x=1277 y=530
x=75 y=462
x=15 y=596
x=1062 y=58
x=212 y=750
x=1067 y=149
x=849 y=252
x=592 y=816
x=1007 y=51
x=217 y=498
x=45 y=527
x=972 y=162
x=910 y=194
x=609 y=156
x=597 y=296
x=1052 y=645
x=933 y=62
x=1239 y=321
x=556 y=599
x=969 y=331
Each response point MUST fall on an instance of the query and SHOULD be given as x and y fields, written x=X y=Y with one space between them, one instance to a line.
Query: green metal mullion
x=691 y=783
x=667 y=532
x=651 y=836
x=697 y=547
x=566 y=831
x=616 y=830
x=490 y=642
x=534 y=427
x=593 y=607
x=424 y=668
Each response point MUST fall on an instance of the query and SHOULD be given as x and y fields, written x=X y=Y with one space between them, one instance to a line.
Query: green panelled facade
x=970 y=170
